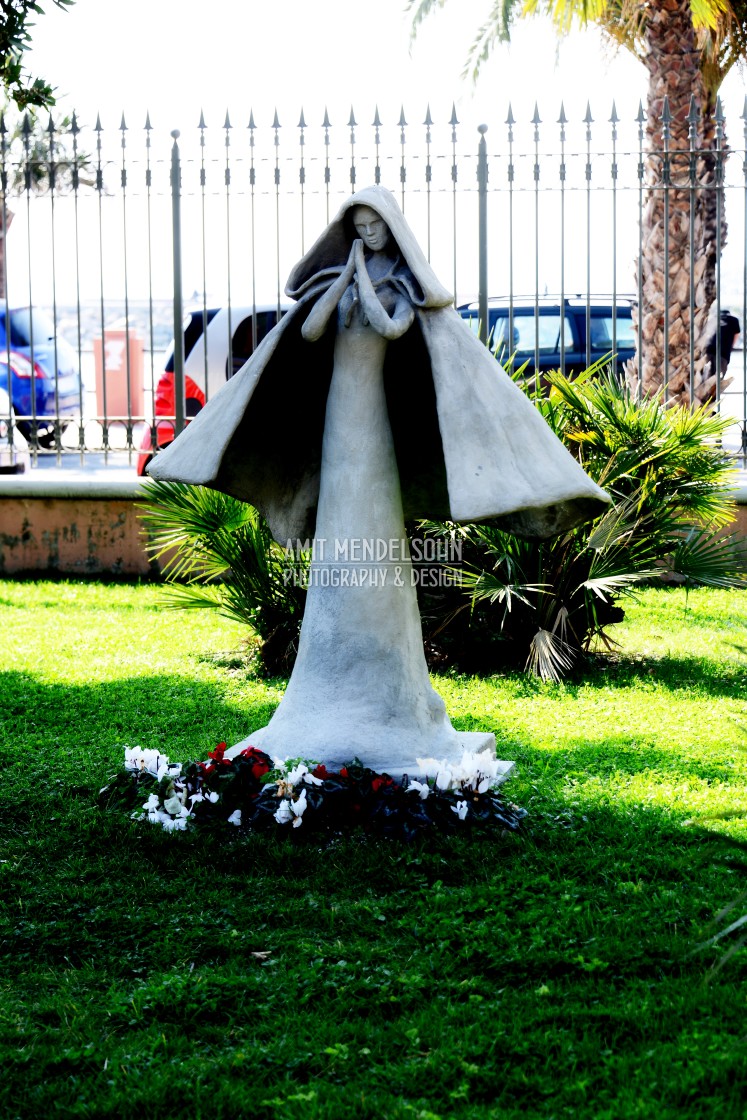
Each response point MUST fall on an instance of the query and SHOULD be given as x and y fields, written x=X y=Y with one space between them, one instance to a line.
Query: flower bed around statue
x=256 y=793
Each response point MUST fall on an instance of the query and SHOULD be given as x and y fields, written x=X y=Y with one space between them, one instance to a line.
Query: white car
x=217 y=343
x=14 y=450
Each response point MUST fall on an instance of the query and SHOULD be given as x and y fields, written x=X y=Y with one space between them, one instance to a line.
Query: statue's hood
x=330 y=252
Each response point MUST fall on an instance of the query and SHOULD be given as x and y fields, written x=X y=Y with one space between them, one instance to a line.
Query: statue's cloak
x=470 y=444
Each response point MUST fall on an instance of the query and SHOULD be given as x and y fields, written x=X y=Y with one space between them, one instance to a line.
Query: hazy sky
x=175 y=57
x=178 y=57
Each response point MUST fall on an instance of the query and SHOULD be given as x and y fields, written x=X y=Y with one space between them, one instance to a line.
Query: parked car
x=532 y=331
x=14 y=450
x=208 y=364
x=39 y=393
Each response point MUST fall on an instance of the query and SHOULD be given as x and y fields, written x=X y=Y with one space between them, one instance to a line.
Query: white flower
x=461 y=809
x=296 y=774
x=419 y=787
x=151 y=803
x=443 y=779
x=311 y=780
x=211 y=797
x=195 y=797
x=289 y=810
x=299 y=808
x=284 y=813
x=179 y=823
x=138 y=759
x=235 y=817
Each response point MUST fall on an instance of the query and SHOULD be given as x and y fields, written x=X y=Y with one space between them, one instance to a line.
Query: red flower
x=259 y=758
x=377 y=783
x=320 y=771
x=344 y=772
x=218 y=753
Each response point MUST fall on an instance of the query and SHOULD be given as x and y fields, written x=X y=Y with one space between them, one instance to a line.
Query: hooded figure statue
x=369 y=402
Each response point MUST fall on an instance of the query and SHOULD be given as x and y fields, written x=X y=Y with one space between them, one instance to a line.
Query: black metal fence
x=114 y=233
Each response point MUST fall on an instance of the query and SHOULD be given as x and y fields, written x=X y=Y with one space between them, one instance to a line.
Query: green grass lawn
x=546 y=974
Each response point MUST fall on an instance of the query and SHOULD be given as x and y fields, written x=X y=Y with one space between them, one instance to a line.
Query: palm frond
x=710 y=559
x=550 y=657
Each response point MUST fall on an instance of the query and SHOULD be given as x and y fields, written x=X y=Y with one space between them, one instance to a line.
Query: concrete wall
x=73 y=528
x=81 y=528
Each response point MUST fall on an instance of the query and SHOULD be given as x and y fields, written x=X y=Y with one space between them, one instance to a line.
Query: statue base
x=382 y=749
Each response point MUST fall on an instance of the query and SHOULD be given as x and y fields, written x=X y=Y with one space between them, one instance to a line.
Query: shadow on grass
x=96 y=721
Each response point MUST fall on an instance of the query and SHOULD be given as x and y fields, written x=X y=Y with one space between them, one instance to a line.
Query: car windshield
x=27 y=323
x=601 y=332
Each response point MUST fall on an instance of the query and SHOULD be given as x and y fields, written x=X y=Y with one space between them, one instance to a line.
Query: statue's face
x=371 y=228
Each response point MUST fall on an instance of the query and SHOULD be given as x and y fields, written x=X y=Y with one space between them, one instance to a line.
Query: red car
x=217 y=343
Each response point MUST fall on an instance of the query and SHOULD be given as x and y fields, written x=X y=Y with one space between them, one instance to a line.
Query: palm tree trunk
x=711 y=210
x=672 y=60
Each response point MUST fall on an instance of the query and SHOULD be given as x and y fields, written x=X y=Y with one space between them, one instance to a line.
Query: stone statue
x=372 y=401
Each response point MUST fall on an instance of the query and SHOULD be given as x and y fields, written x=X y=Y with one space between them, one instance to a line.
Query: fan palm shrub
x=543 y=603
x=218 y=552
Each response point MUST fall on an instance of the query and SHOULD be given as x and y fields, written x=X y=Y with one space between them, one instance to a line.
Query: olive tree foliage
x=21 y=87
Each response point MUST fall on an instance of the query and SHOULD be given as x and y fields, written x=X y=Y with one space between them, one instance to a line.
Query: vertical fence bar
x=128 y=371
x=28 y=181
x=377 y=141
x=613 y=121
x=4 y=236
x=454 y=176
x=149 y=232
x=482 y=196
x=718 y=186
x=100 y=190
x=562 y=121
x=510 y=172
x=536 y=121
x=203 y=232
x=588 y=120
x=744 y=288
x=52 y=173
x=640 y=119
x=276 y=128
x=302 y=177
x=252 y=217
x=402 y=169
x=75 y=181
x=326 y=126
x=692 y=142
x=227 y=182
x=428 y=175
x=666 y=179
x=176 y=225
x=351 y=126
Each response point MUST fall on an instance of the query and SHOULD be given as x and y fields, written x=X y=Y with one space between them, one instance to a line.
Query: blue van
x=536 y=330
x=38 y=393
